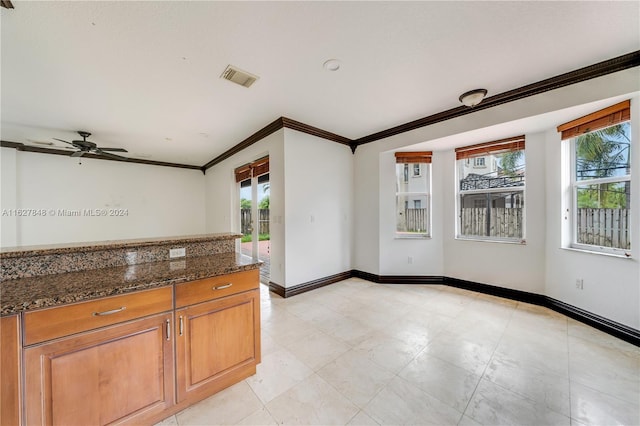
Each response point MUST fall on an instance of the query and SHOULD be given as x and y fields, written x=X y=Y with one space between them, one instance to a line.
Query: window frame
x=574 y=184
x=423 y=159
x=479 y=151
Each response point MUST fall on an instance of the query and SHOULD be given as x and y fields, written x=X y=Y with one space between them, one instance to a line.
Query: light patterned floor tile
x=450 y=384
x=312 y=402
x=591 y=407
x=355 y=377
x=278 y=372
x=226 y=407
x=412 y=354
x=494 y=405
x=401 y=403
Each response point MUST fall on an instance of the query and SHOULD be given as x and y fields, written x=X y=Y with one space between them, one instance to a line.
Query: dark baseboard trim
x=507 y=293
x=308 y=286
x=613 y=328
x=277 y=289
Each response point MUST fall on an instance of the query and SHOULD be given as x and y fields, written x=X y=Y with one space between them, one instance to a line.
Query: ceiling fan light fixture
x=473 y=97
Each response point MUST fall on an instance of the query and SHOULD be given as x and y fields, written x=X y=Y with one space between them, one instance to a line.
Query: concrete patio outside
x=264 y=254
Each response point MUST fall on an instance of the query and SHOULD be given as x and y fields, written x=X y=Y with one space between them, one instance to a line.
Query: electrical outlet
x=132 y=257
x=579 y=283
x=177 y=252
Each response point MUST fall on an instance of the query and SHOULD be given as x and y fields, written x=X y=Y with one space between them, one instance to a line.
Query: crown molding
x=42 y=150
x=600 y=69
x=620 y=63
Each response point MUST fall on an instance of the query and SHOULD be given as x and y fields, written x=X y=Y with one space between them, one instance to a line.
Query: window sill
x=522 y=242
x=412 y=237
x=600 y=253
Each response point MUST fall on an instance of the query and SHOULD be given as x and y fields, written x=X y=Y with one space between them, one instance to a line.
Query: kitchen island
x=121 y=326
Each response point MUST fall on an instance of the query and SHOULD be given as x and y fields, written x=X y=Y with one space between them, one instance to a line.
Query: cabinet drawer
x=47 y=324
x=212 y=288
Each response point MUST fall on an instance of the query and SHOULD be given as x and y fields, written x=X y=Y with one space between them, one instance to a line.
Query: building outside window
x=491 y=200
x=600 y=170
x=413 y=196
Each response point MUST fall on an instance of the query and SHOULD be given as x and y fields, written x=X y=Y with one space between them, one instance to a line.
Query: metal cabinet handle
x=181 y=325
x=113 y=311
x=168 y=330
x=222 y=287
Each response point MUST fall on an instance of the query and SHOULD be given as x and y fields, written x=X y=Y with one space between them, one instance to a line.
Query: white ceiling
x=145 y=75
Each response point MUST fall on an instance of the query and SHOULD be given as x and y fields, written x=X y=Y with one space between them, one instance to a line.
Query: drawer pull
x=181 y=325
x=222 y=287
x=113 y=311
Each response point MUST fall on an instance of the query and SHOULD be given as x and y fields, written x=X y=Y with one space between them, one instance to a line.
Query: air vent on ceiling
x=236 y=75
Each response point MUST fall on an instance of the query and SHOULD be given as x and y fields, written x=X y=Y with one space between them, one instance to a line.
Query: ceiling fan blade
x=109 y=155
x=113 y=149
x=78 y=154
x=63 y=141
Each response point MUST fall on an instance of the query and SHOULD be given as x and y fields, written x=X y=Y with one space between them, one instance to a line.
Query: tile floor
x=360 y=353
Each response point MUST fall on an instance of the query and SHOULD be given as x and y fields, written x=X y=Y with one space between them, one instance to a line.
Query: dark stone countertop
x=58 y=289
x=42 y=250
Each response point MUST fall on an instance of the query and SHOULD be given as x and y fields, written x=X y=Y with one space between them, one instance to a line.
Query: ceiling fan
x=84 y=147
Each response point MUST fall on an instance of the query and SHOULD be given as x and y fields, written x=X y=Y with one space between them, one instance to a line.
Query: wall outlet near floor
x=177 y=252
x=579 y=283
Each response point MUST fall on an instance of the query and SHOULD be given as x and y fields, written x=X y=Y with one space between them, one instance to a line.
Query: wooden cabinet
x=134 y=358
x=65 y=320
x=10 y=355
x=218 y=341
x=122 y=373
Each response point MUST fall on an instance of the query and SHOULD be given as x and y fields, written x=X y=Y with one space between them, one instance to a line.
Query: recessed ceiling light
x=331 y=65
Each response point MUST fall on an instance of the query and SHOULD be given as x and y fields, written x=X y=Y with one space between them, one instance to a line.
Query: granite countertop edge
x=47 y=291
x=42 y=250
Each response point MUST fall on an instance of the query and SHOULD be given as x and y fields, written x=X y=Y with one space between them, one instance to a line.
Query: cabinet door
x=218 y=344
x=10 y=371
x=122 y=374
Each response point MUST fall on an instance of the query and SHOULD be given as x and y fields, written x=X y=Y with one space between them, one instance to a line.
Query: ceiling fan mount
x=84 y=146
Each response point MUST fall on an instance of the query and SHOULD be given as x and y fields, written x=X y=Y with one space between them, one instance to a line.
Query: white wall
x=223 y=197
x=612 y=285
x=516 y=266
x=309 y=176
x=425 y=253
x=8 y=197
x=366 y=197
x=319 y=207
x=159 y=201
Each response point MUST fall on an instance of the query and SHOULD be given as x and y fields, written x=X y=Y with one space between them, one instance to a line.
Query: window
x=413 y=215
x=491 y=201
x=600 y=168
